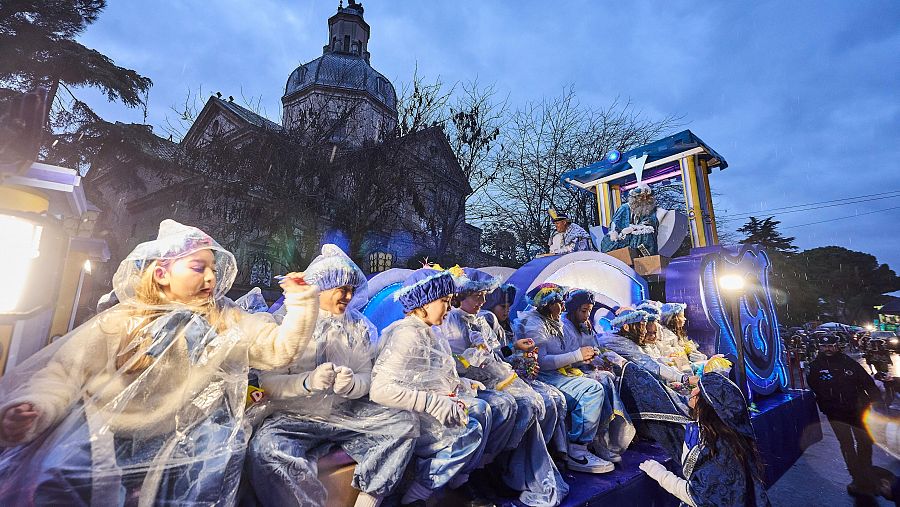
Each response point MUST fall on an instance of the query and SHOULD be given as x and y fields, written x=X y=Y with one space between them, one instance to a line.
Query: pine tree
x=38 y=49
x=765 y=233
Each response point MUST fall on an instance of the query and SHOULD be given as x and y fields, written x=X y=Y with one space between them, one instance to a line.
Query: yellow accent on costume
x=456 y=271
x=552 y=213
x=717 y=364
x=503 y=384
x=570 y=371
x=254 y=395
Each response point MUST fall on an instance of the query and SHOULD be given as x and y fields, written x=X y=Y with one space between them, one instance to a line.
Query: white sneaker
x=580 y=460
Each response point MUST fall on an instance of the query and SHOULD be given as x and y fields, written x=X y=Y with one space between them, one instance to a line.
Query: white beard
x=642 y=209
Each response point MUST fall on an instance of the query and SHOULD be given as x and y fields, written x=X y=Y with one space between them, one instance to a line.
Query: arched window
x=380 y=261
x=260 y=271
x=215 y=128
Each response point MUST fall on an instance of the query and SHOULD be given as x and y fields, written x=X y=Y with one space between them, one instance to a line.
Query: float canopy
x=666 y=150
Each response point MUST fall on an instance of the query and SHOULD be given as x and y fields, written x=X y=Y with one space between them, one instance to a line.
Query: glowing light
x=731 y=282
x=613 y=156
x=654 y=179
x=870 y=327
x=87 y=266
x=22 y=239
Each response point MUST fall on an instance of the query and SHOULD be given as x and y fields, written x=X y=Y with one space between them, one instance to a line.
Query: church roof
x=247 y=115
x=343 y=71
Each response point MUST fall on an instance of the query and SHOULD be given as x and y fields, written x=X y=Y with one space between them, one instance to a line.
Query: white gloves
x=669 y=481
x=322 y=378
x=343 y=380
x=445 y=409
x=653 y=468
x=476 y=385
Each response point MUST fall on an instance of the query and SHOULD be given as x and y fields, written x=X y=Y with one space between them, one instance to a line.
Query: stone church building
x=343 y=86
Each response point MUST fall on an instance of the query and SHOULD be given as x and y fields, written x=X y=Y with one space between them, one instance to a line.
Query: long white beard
x=642 y=209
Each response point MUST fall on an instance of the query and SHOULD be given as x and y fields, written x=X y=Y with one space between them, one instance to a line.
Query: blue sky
x=801 y=98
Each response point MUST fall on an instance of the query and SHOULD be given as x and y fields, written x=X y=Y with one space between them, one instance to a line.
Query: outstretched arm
x=276 y=346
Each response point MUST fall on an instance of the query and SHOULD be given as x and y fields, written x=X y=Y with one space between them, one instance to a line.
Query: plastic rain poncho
x=585 y=397
x=252 y=302
x=553 y=424
x=616 y=430
x=412 y=364
x=529 y=467
x=284 y=450
x=477 y=348
x=631 y=351
x=670 y=345
x=143 y=404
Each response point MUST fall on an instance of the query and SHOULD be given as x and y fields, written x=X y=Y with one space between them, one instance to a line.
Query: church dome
x=343 y=71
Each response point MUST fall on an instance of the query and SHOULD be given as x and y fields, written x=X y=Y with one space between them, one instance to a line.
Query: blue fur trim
x=670 y=309
x=469 y=285
x=649 y=308
x=332 y=273
x=424 y=291
x=629 y=317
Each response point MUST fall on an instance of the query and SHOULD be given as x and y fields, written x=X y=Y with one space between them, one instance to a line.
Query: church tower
x=340 y=87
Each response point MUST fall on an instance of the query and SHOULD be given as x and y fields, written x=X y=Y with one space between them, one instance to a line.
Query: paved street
x=819 y=477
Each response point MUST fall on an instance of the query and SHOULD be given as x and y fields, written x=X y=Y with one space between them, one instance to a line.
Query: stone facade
x=342 y=84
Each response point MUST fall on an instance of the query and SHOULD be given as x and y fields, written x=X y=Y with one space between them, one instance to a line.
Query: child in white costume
x=527 y=467
x=616 y=429
x=322 y=402
x=415 y=371
x=144 y=403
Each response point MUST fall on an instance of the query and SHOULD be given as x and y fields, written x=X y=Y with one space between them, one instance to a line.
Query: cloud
x=801 y=98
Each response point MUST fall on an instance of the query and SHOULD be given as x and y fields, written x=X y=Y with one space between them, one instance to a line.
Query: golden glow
x=22 y=239
x=731 y=282
x=884 y=430
x=23 y=200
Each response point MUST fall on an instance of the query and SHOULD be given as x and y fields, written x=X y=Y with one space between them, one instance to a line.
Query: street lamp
x=30 y=263
x=22 y=238
x=733 y=284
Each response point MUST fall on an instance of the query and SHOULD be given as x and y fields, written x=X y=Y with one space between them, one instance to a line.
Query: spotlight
x=731 y=282
x=613 y=156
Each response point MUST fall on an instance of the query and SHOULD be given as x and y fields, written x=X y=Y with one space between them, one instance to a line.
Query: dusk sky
x=801 y=98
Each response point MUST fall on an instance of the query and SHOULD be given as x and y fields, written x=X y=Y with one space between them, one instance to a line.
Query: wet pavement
x=820 y=478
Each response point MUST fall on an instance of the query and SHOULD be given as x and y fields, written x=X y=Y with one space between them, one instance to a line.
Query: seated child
x=321 y=402
x=415 y=370
x=585 y=397
x=673 y=333
x=523 y=357
x=616 y=430
x=634 y=331
x=527 y=466
x=144 y=403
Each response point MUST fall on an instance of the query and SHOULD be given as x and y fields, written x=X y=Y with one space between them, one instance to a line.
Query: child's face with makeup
x=189 y=278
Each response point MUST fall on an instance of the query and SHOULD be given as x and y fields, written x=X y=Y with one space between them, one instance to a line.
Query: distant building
x=340 y=84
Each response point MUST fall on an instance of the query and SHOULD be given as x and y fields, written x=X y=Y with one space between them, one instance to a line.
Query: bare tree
x=543 y=140
x=470 y=121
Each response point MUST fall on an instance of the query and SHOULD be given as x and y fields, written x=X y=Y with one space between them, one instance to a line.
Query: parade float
x=730 y=309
